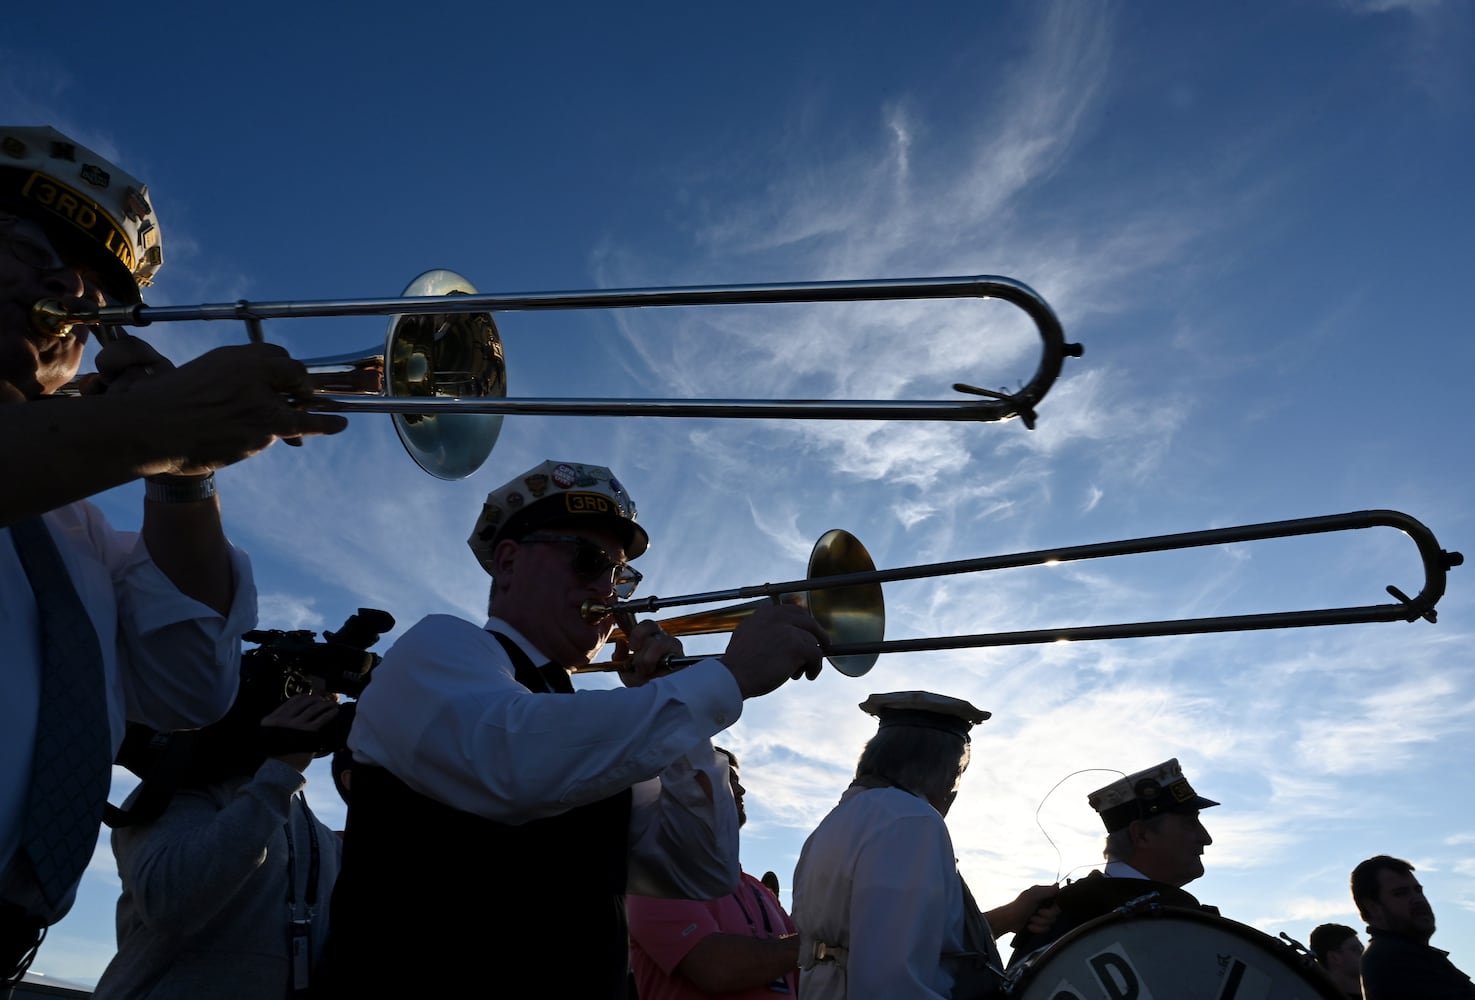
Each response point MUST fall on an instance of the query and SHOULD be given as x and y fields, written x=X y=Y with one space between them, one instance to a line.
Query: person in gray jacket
x=225 y=892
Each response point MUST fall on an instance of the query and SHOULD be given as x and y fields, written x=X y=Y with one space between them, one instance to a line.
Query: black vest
x=434 y=901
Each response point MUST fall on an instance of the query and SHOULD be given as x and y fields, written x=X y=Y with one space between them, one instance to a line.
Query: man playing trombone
x=103 y=627
x=498 y=816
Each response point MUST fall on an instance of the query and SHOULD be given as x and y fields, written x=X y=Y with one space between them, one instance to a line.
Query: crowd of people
x=497 y=824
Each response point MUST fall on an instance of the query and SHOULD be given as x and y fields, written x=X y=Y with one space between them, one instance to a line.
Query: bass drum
x=1167 y=953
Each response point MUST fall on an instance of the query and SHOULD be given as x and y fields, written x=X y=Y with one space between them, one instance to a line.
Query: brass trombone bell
x=426 y=358
x=474 y=383
x=1436 y=563
x=429 y=356
x=853 y=614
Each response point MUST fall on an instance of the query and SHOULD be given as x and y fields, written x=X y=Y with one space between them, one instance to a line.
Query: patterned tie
x=71 y=766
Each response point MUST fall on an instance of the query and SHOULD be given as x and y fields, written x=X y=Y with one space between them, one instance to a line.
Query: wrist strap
x=172 y=489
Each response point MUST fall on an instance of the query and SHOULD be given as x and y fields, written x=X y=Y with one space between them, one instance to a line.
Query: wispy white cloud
x=291 y=613
x=1383 y=732
x=1384 y=6
x=1432 y=38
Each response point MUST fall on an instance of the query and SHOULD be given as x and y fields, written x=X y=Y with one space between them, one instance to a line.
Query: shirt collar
x=1120 y=869
x=1385 y=934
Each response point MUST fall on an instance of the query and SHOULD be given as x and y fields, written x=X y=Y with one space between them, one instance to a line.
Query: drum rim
x=1149 y=910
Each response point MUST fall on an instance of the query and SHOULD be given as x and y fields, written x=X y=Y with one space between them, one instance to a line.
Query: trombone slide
x=1435 y=560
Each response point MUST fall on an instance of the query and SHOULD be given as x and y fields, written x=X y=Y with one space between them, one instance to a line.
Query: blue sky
x=1256 y=219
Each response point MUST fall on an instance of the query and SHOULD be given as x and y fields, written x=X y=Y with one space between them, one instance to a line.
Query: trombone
x=442 y=359
x=854 y=617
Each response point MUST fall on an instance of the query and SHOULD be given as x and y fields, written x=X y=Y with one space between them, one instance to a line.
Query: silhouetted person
x=1399 y=963
x=742 y=945
x=497 y=816
x=1339 y=952
x=881 y=907
x=225 y=891
x=101 y=627
x=1154 y=843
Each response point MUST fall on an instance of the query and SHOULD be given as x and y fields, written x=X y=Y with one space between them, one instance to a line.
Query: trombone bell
x=456 y=354
x=854 y=614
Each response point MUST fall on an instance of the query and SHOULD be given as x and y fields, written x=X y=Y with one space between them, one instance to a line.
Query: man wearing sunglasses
x=102 y=627
x=498 y=817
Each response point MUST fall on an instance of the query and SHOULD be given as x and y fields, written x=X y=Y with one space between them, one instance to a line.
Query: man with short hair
x=497 y=816
x=1339 y=953
x=742 y=946
x=102 y=627
x=1399 y=963
x=881 y=907
x=1154 y=844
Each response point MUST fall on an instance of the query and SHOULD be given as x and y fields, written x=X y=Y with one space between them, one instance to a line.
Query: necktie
x=71 y=764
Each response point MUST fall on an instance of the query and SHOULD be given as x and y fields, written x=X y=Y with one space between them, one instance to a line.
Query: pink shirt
x=664 y=931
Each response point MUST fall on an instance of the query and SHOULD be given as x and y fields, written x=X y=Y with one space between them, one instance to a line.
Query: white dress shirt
x=878 y=878
x=169 y=661
x=445 y=714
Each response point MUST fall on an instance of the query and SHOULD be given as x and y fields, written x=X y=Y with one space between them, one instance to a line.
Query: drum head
x=1168 y=954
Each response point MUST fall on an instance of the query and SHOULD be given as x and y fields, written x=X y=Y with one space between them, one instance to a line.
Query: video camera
x=286 y=664
x=339 y=665
x=283 y=665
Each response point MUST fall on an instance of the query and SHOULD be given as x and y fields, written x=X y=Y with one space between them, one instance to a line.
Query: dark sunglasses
x=590 y=563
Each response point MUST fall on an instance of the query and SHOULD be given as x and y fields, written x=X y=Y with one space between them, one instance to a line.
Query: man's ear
x=504 y=557
x=1137 y=832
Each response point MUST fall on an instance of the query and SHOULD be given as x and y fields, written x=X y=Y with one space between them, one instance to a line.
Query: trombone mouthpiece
x=51 y=318
x=592 y=611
